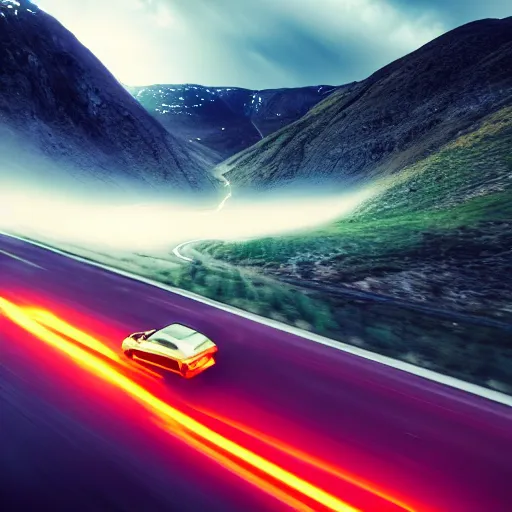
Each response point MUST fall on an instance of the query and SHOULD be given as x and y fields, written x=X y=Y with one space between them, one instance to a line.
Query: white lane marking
x=14 y=257
x=468 y=387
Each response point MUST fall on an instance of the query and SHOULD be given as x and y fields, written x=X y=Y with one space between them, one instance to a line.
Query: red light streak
x=305 y=457
x=103 y=370
x=235 y=468
x=60 y=326
x=283 y=485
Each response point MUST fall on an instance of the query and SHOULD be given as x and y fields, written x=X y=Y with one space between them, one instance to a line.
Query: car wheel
x=128 y=354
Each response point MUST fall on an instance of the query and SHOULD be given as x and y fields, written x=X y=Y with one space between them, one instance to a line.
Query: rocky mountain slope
x=431 y=136
x=65 y=120
x=398 y=115
x=437 y=232
x=226 y=119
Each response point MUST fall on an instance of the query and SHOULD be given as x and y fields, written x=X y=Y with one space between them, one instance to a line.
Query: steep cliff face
x=226 y=119
x=64 y=118
x=401 y=113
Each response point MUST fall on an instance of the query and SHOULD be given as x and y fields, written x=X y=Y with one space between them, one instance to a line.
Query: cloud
x=352 y=38
x=306 y=42
x=259 y=43
x=457 y=12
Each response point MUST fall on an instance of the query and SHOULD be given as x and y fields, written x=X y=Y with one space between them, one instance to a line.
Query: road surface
x=373 y=437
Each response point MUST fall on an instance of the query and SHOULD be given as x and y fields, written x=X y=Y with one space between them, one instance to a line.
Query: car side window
x=165 y=343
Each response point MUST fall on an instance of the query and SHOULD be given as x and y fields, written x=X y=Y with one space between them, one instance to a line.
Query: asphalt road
x=72 y=441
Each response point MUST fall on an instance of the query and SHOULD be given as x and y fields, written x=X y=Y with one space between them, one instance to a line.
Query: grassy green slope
x=450 y=211
x=439 y=235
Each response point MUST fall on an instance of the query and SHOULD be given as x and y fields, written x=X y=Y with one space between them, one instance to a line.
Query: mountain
x=398 y=115
x=226 y=119
x=66 y=121
x=424 y=148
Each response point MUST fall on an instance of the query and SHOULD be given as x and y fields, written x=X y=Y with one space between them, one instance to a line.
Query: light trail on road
x=60 y=326
x=305 y=457
x=283 y=484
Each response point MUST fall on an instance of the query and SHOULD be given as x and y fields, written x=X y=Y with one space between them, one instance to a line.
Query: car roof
x=178 y=331
x=183 y=336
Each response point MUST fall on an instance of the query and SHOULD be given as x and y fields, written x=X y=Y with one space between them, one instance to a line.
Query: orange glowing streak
x=152 y=363
x=49 y=320
x=144 y=371
x=305 y=457
x=235 y=468
x=55 y=323
x=102 y=369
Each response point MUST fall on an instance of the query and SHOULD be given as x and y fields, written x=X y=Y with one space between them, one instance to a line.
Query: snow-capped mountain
x=226 y=119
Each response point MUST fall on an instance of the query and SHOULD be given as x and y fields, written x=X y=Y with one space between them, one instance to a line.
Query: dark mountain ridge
x=227 y=119
x=64 y=118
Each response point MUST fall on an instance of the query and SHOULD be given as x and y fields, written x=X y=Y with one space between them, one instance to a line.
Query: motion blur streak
x=51 y=321
x=167 y=412
x=244 y=473
x=305 y=457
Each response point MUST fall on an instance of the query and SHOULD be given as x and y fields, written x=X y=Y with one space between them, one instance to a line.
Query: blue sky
x=262 y=43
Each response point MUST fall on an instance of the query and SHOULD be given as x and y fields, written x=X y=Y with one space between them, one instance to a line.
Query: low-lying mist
x=152 y=224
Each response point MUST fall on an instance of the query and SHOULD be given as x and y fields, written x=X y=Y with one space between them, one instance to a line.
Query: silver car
x=176 y=348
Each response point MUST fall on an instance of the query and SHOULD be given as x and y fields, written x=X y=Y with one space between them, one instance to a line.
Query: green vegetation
x=358 y=248
x=455 y=204
x=237 y=287
x=475 y=164
x=438 y=234
x=467 y=182
x=252 y=293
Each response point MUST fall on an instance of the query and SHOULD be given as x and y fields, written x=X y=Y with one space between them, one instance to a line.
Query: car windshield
x=163 y=342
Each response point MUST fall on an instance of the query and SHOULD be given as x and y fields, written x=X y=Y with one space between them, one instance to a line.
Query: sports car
x=176 y=348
